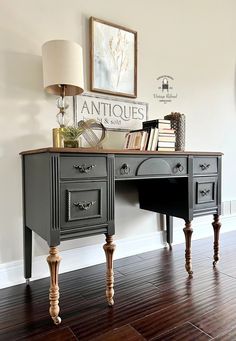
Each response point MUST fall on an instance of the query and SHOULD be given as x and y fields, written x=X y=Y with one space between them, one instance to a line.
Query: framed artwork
x=113 y=59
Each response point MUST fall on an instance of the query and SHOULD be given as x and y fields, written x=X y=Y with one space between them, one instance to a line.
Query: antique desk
x=70 y=193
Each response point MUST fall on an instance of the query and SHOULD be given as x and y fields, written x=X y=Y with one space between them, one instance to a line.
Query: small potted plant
x=70 y=135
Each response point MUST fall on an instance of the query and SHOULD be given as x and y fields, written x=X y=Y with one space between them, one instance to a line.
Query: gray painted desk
x=69 y=193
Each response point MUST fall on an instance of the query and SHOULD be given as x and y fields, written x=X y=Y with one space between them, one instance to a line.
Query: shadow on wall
x=22 y=75
x=21 y=95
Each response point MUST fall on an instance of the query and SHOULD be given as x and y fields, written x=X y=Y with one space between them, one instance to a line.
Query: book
x=155 y=139
x=166 y=149
x=164 y=138
x=166 y=131
x=157 y=123
x=135 y=139
x=148 y=129
x=126 y=141
x=142 y=139
x=145 y=140
x=150 y=140
x=166 y=144
x=129 y=141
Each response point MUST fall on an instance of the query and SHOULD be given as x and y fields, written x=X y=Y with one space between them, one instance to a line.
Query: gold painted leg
x=53 y=261
x=109 y=249
x=216 y=226
x=188 y=258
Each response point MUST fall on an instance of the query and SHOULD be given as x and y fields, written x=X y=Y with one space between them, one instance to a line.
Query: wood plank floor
x=154 y=300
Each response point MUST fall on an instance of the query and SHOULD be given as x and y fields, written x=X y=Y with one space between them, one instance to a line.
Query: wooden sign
x=113 y=113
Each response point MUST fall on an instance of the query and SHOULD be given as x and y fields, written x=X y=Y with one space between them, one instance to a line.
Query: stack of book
x=136 y=139
x=155 y=135
x=163 y=136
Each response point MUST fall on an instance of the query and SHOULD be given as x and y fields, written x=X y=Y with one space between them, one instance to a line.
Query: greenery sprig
x=71 y=133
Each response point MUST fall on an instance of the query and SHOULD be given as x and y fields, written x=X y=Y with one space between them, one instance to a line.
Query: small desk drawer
x=205 y=192
x=204 y=165
x=150 y=166
x=81 y=167
x=83 y=204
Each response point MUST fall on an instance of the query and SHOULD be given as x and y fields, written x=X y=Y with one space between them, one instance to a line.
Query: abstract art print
x=113 y=59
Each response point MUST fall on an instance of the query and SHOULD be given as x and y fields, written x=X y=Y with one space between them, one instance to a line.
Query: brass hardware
x=84 y=205
x=204 y=166
x=84 y=168
x=204 y=192
x=125 y=169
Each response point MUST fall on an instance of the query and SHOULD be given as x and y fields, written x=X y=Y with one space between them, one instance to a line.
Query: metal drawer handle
x=125 y=169
x=204 y=192
x=84 y=205
x=204 y=166
x=179 y=167
x=83 y=168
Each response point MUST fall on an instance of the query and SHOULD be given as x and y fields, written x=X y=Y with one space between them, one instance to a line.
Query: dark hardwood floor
x=154 y=300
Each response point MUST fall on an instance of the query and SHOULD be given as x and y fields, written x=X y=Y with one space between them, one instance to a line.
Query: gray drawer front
x=83 y=204
x=150 y=166
x=82 y=167
x=205 y=192
x=204 y=165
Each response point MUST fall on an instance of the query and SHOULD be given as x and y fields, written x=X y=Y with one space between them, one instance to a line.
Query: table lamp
x=63 y=76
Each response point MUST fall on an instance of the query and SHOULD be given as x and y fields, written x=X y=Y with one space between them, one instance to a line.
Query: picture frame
x=113 y=59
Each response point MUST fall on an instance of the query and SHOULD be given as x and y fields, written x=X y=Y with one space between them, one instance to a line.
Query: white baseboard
x=12 y=273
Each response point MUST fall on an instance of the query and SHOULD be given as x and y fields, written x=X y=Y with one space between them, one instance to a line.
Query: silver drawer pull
x=125 y=169
x=83 y=168
x=179 y=167
x=84 y=205
x=204 y=166
x=204 y=192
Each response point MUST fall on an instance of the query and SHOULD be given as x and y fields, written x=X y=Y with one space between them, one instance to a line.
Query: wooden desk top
x=115 y=151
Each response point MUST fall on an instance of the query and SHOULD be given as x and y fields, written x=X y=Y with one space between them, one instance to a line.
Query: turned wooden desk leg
x=216 y=226
x=109 y=249
x=188 y=236
x=53 y=261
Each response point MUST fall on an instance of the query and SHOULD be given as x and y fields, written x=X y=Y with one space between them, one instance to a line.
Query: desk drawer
x=205 y=192
x=82 y=167
x=150 y=166
x=204 y=165
x=83 y=204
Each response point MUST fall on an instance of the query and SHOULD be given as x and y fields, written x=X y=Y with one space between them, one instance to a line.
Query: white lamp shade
x=63 y=65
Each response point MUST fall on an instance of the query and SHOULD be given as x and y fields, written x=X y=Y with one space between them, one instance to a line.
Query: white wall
x=193 y=41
